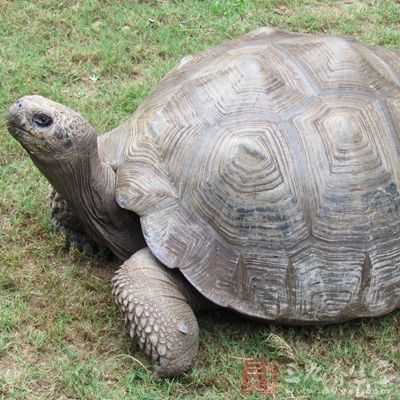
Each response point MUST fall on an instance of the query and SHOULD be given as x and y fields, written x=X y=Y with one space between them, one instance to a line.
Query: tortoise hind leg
x=156 y=302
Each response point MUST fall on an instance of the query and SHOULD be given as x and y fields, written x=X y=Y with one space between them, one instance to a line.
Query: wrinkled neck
x=71 y=174
x=88 y=185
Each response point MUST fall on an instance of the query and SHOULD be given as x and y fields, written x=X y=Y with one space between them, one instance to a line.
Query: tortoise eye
x=42 y=120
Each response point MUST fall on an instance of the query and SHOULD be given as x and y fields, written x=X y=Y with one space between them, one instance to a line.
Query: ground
x=61 y=336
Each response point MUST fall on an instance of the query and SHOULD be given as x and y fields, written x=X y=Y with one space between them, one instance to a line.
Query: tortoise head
x=49 y=130
x=64 y=148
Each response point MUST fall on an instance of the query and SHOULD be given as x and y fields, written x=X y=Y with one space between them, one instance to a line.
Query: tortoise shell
x=267 y=171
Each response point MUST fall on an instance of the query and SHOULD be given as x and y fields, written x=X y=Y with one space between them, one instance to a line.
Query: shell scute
x=267 y=170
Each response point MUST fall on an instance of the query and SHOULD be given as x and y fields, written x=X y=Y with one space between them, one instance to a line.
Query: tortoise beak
x=13 y=121
x=15 y=118
x=12 y=118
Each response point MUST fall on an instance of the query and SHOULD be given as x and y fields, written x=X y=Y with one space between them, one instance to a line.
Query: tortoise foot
x=81 y=242
x=157 y=313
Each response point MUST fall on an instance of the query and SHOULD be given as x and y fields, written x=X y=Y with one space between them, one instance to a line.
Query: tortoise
x=261 y=176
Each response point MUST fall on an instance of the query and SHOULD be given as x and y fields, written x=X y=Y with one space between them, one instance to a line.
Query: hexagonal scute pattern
x=267 y=170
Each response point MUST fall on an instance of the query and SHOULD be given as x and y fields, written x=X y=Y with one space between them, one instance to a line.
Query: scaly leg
x=157 y=303
x=64 y=221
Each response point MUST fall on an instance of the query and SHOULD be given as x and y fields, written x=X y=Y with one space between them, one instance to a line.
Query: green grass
x=61 y=336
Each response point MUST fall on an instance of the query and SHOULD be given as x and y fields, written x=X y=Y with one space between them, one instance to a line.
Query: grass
x=61 y=336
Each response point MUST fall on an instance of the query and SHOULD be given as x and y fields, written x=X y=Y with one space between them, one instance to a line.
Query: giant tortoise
x=263 y=176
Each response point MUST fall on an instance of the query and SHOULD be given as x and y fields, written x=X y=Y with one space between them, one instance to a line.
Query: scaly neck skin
x=88 y=185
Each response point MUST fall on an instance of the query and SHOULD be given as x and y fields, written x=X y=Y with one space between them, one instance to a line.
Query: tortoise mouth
x=28 y=140
x=17 y=132
x=14 y=126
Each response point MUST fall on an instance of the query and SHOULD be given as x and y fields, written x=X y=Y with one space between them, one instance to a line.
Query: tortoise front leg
x=64 y=221
x=156 y=302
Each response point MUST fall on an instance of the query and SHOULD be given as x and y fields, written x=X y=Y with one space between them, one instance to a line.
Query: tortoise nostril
x=14 y=117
